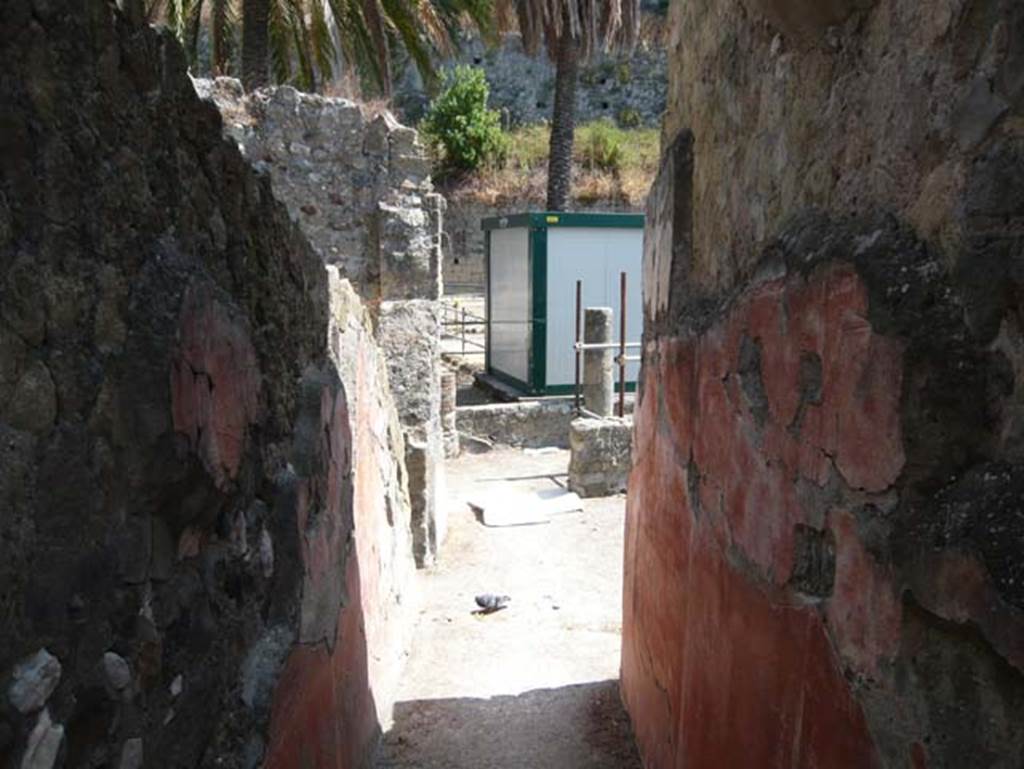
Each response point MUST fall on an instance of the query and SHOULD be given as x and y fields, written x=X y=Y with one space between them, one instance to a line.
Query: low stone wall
x=531 y=424
x=601 y=455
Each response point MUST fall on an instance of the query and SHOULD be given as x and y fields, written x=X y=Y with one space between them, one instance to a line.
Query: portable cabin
x=533 y=263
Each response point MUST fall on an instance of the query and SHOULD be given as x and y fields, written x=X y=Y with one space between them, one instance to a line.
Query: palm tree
x=571 y=31
x=307 y=42
x=255 y=39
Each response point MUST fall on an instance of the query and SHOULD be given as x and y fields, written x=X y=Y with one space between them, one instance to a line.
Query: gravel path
x=534 y=686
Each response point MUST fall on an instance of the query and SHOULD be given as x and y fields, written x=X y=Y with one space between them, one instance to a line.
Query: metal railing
x=460 y=318
x=455 y=317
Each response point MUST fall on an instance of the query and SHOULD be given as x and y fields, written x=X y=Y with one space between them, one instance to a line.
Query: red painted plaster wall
x=722 y=665
x=333 y=693
x=785 y=416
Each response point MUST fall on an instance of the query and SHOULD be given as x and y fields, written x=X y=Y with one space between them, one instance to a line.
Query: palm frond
x=596 y=25
x=310 y=41
x=193 y=23
x=279 y=38
x=321 y=41
x=306 y=76
x=154 y=10
x=373 y=18
x=437 y=27
x=482 y=14
x=402 y=21
x=357 y=48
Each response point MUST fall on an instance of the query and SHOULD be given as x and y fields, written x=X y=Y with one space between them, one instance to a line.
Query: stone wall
x=360 y=190
x=465 y=271
x=824 y=547
x=205 y=529
x=601 y=455
x=345 y=176
x=792 y=105
x=337 y=694
x=530 y=424
x=629 y=89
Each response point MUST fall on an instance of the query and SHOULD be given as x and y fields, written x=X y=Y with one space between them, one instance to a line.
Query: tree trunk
x=255 y=43
x=563 y=123
x=220 y=32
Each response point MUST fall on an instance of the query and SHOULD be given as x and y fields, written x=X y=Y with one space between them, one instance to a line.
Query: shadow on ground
x=571 y=727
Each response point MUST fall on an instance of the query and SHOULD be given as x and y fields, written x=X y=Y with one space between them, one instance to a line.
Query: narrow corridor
x=534 y=685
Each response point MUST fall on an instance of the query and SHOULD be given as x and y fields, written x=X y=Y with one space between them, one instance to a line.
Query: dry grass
x=521 y=178
x=347 y=86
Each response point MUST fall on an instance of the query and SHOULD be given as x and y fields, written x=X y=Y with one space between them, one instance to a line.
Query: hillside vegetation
x=613 y=165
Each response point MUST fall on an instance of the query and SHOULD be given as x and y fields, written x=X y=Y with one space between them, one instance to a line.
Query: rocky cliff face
x=627 y=89
x=824 y=536
x=203 y=526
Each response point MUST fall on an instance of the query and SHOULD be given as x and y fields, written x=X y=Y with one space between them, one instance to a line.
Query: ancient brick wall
x=204 y=527
x=824 y=545
x=360 y=190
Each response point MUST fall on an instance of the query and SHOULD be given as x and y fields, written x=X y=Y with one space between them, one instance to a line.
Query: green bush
x=463 y=132
x=602 y=146
x=629 y=118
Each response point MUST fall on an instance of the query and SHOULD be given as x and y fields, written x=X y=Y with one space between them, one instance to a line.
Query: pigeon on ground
x=490 y=603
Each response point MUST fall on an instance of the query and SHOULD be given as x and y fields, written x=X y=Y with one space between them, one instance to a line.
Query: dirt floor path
x=533 y=686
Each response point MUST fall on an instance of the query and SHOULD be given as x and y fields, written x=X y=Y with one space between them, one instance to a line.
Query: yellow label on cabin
x=552 y=220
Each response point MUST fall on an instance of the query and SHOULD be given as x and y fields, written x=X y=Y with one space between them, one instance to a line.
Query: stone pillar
x=449 y=431
x=601 y=455
x=409 y=330
x=409 y=333
x=598 y=374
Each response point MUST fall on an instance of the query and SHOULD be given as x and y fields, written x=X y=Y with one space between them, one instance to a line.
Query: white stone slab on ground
x=499 y=507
